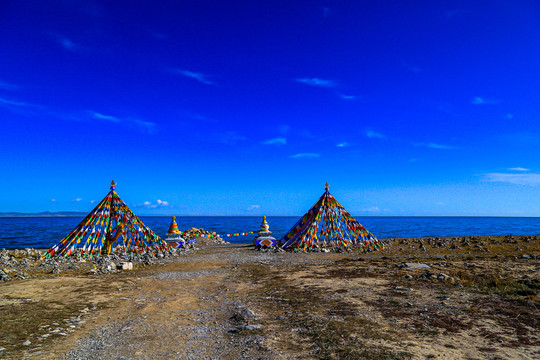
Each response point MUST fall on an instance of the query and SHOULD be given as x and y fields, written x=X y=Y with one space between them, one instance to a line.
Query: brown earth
x=477 y=300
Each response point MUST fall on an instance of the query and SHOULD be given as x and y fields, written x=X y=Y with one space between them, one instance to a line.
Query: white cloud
x=65 y=42
x=284 y=129
x=253 y=207
x=518 y=169
x=158 y=35
x=343 y=144
x=518 y=179
x=53 y=200
x=412 y=68
x=92 y=201
x=326 y=11
x=373 y=209
x=434 y=146
x=158 y=203
x=77 y=199
x=347 y=97
x=105 y=117
x=374 y=135
x=304 y=156
x=7 y=86
x=481 y=101
x=13 y=103
x=145 y=125
x=316 y=82
x=276 y=141
x=202 y=78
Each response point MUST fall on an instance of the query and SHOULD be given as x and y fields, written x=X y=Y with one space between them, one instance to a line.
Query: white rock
x=126 y=266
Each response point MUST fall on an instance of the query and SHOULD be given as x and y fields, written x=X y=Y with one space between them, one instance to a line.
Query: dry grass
x=27 y=321
x=323 y=326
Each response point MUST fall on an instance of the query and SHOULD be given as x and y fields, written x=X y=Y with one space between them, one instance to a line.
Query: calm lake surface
x=39 y=232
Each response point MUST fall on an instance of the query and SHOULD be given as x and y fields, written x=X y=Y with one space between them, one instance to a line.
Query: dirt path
x=305 y=306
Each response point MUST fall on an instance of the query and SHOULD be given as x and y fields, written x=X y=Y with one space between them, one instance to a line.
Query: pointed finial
x=113 y=184
x=174 y=218
x=264 y=225
x=326 y=186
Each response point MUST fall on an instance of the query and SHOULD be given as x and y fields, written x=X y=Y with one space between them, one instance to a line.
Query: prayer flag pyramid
x=327 y=225
x=111 y=223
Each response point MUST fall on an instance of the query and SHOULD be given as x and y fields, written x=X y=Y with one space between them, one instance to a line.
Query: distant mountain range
x=43 y=214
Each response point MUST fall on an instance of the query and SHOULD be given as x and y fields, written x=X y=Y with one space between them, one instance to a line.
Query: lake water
x=21 y=232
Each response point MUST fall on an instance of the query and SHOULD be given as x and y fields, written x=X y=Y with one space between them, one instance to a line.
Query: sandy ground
x=467 y=304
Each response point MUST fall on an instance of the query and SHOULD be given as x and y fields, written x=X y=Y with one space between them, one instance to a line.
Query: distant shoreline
x=83 y=214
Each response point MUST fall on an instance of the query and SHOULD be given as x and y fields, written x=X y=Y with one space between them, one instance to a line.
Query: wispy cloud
x=373 y=209
x=326 y=11
x=304 y=156
x=147 y=126
x=284 y=129
x=24 y=108
x=153 y=205
x=412 y=68
x=65 y=42
x=519 y=169
x=482 y=101
x=434 y=146
x=105 y=117
x=518 y=179
x=276 y=141
x=77 y=200
x=202 y=78
x=150 y=127
x=253 y=207
x=158 y=35
x=509 y=116
x=53 y=200
x=342 y=144
x=347 y=97
x=16 y=103
x=92 y=201
x=453 y=13
x=7 y=86
x=316 y=82
x=374 y=135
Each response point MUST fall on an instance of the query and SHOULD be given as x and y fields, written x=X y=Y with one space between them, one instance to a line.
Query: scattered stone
x=442 y=277
x=246 y=328
x=125 y=266
x=27 y=343
x=417 y=266
x=245 y=315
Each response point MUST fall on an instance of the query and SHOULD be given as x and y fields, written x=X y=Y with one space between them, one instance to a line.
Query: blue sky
x=248 y=108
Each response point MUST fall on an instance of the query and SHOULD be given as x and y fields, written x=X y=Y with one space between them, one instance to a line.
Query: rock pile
x=194 y=233
x=28 y=263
